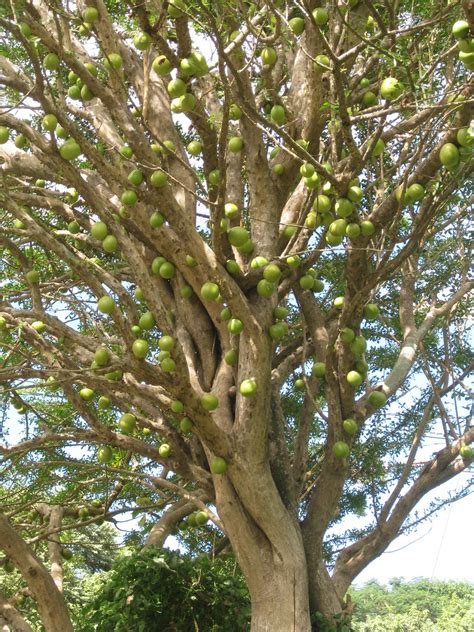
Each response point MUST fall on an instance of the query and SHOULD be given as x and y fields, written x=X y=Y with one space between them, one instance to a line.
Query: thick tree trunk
x=273 y=564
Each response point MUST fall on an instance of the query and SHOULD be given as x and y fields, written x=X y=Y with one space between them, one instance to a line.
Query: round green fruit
x=210 y=291
x=449 y=155
x=235 y=113
x=102 y=356
x=159 y=179
x=161 y=65
x=106 y=304
x=105 y=454
x=367 y=228
x=277 y=115
x=278 y=330
x=344 y=207
x=147 y=321
x=51 y=61
x=321 y=16
x=340 y=449
x=238 y=236
x=164 y=450
x=99 y=230
x=127 y=423
x=460 y=29
x=157 y=220
x=378 y=149
x=319 y=369
x=391 y=88
x=87 y=394
x=248 y=388
x=230 y=357
x=354 y=378
x=142 y=41
x=50 y=122
x=322 y=62
x=369 y=99
x=235 y=326
x=167 y=270
x=218 y=465
x=268 y=56
x=104 y=402
x=140 y=348
x=110 y=244
x=4 y=134
x=347 y=335
x=176 y=88
x=235 y=144
x=70 y=150
x=350 y=426
x=371 y=311
x=338 y=302
x=377 y=399
x=296 y=25
x=185 y=425
x=209 y=402
x=166 y=343
x=466 y=452
x=32 y=276
x=265 y=288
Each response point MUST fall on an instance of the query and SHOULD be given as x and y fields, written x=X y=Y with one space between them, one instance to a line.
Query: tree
x=220 y=264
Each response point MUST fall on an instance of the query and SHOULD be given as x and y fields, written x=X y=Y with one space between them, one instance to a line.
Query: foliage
x=166 y=591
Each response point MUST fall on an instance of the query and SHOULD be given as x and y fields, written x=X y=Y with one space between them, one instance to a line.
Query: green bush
x=165 y=591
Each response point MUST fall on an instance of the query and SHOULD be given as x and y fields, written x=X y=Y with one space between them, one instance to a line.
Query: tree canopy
x=235 y=284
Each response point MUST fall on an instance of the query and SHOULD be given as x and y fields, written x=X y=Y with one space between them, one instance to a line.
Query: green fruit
x=378 y=149
x=21 y=141
x=296 y=25
x=367 y=228
x=359 y=345
x=235 y=144
x=51 y=61
x=230 y=357
x=347 y=335
x=138 y=293
x=102 y=356
x=32 y=276
x=25 y=29
x=104 y=402
x=159 y=179
x=147 y=321
x=364 y=82
x=166 y=343
x=272 y=273
x=306 y=282
x=355 y=194
x=113 y=60
x=135 y=177
x=321 y=16
x=4 y=134
x=194 y=148
x=248 y=388
x=140 y=348
x=164 y=450
x=161 y=65
x=369 y=99
x=8 y=566
x=235 y=326
x=306 y=170
x=129 y=198
x=344 y=207
x=209 y=402
x=99 y=230
x=214 y=177
x=333 y=240
x=391 y=88
x=338 y=302
x=90 y=15
x=319 y=369
x=449 y=155
x=353 y=230
x=127 y=423
x=416 y=192
x=466 y=452
x=201 y=518
x=110 y=244
x=278 y=330
x=106 y=304
x=218 y=465
x=210 y=291
x=177 y=406
x=156 y=264
x=176 y=8
x=226 y=314
x=238 y=236
x=377 y=399
x=70 y=150
x=277 y=115
x=293 y=261
x=167 y=270
x=50 y=122
x=126 y=152
x=268 y=56
x=354 y=378
x=464 y=137
x=371 y=311
x=185 y=425
x=176 y=88
x=350 y=426
x=105 y=454
x=39 y=326
x=322 y=62
x=86 y=93
x=338 y=227
x=322 y=204
x=279 y=169
x=265 y=288
x=87 y=394
x=340 y=449
x=186 y=291
x=460 y=29
x=235 y=113
x=156 y=220
x=142 y=41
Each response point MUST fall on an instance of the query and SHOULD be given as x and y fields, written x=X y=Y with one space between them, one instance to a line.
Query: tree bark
x=51 y=605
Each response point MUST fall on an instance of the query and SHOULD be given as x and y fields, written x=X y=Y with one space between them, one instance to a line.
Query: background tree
x=231 y=232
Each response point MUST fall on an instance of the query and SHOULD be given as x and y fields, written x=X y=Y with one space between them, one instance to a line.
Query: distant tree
x=234 y=285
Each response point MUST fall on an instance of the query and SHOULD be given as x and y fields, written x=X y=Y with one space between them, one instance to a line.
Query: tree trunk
x=272 y=561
